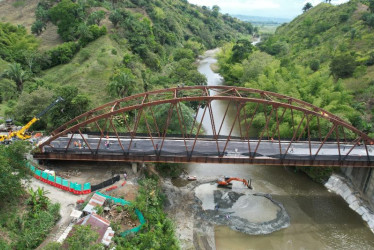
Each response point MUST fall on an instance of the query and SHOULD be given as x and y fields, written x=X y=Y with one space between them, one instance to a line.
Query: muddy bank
x=199 y=206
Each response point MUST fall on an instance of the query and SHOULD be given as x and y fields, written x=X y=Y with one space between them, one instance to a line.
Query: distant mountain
x=262 y=20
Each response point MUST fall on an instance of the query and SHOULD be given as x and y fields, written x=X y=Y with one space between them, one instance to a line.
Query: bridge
x=166 y=126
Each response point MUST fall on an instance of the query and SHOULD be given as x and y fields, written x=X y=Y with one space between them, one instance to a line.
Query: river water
x=319 y=219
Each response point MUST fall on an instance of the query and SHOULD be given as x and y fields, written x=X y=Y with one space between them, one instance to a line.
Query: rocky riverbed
x=199 y=206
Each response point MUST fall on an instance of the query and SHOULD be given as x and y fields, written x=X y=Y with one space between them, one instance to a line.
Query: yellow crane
x=22 y=133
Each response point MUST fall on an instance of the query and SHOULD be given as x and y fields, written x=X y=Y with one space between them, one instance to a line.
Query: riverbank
x=341 y=186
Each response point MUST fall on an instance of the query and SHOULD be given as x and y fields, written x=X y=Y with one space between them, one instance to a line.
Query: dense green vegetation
x=151 y=44
x=158 y=232
x=25 y=217
x=323 y=57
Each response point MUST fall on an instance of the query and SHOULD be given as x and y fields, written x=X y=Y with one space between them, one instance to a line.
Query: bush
x=369 y=19
x=370 y=61
x=67 y=16
x=183 y=53
x=343 y=66
x=314 y=65
x=63 y=53
x=343 y=17
x=37 y=27
x=90 y=33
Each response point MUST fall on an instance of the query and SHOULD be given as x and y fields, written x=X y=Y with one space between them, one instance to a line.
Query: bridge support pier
x=134 y=166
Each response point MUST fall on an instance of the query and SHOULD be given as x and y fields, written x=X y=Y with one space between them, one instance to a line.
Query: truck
x=22 y=133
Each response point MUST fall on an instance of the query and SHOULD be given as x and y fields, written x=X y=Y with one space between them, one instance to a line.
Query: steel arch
x=207 y=94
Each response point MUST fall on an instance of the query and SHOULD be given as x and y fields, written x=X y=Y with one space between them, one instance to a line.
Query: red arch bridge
x=166 y=125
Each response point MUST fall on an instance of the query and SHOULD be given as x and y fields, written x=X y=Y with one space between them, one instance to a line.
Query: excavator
x=22 y=133
x=226 y=182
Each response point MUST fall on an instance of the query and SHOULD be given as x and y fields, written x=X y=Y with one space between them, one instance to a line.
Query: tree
x=29 y=105
x=371 y=6
x=343 y=66
x=13 y=169
x=122 y=85
x=17 y=74
x=307 y=6
x=73 y=105
x=96 y=17
x=8 y=90
x=37 y=27
x=67 y=15
x=181 y=53
x=215 y=10
x=115 y=17
x=14 y=41
x=83 y=237
x=241 y=50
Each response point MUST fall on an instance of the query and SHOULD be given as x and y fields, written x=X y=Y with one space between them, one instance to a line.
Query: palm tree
x=17 y=74
x=122 y=85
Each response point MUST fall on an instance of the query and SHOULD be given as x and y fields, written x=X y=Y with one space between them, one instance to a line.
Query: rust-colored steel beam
x=201 y=159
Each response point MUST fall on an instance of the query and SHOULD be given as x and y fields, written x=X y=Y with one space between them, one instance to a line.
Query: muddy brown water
x=319 y=219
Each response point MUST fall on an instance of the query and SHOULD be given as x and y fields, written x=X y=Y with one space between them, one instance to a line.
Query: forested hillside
x=90 y=52
x=324 y=56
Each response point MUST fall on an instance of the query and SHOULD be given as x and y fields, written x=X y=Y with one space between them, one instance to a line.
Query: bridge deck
x=210 y=151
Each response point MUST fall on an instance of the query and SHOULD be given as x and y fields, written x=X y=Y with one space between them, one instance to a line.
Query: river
x=319 y=219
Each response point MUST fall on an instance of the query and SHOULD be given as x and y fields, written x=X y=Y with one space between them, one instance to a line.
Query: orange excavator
x=226 y=182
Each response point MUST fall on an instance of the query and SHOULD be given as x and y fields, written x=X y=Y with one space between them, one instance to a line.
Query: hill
x=324 y=56
x=102 y=50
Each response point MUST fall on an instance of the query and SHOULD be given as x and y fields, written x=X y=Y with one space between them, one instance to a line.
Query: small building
x=96 y=200
x=99 y=225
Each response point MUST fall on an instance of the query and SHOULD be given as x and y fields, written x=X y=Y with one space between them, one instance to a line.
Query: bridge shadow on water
x=326 y=208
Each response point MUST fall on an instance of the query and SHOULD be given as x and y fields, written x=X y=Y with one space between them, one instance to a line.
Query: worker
x=79 y=144
x=75 y=144
x=125 y=175
x=216 y=207
x=84 y=145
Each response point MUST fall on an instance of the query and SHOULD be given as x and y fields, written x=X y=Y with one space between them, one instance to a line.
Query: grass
x=23 y=228
x=90 y=70
x=19 y=3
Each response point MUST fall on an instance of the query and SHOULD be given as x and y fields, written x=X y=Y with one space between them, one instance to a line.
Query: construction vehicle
x=226 y=182
x=22 y=133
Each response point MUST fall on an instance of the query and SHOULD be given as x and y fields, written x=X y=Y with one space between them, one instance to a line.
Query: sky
x=266 y=8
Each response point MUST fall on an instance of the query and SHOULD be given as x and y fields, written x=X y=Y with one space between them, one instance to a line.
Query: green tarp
x=137 y=212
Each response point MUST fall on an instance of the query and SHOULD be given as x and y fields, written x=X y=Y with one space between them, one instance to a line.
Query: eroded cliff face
x=357 y=189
